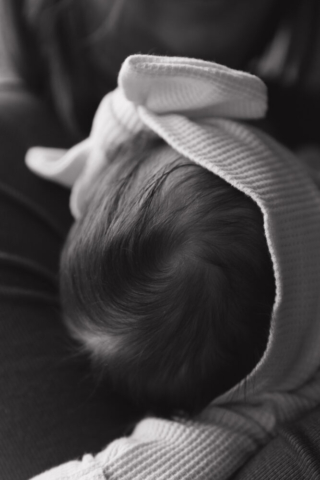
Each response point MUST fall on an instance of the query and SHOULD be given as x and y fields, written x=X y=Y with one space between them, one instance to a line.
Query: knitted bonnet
x=198 y=108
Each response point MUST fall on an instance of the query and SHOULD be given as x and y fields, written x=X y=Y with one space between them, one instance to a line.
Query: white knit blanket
x=195 y=107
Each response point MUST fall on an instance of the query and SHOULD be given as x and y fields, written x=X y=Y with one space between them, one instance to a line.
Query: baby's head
x=187 y=249
x=166 y=278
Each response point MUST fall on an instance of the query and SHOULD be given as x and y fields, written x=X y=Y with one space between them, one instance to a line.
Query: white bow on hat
x=160 y=85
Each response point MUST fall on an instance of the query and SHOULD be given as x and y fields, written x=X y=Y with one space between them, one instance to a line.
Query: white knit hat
x=194 y=106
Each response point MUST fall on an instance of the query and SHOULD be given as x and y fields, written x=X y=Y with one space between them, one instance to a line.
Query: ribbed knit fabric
x=191 y=104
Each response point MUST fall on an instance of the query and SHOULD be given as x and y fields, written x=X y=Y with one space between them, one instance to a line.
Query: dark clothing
x=293 y=455
x=51 y=407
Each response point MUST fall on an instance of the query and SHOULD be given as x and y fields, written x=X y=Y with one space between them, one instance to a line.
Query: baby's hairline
x=145 y=160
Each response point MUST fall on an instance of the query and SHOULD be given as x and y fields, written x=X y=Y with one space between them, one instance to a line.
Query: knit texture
x=192 y=105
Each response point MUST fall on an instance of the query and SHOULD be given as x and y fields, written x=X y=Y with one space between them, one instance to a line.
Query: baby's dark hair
x=167 y=280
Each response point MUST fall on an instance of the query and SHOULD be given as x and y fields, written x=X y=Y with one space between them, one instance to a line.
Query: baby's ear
x=58 y=165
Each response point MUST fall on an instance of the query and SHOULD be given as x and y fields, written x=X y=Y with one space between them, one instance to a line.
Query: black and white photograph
x=159 y=239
